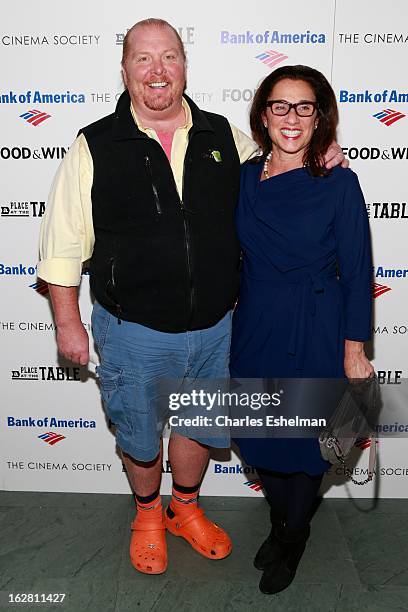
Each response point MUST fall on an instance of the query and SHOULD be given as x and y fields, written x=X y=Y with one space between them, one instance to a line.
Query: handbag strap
x=371 y=463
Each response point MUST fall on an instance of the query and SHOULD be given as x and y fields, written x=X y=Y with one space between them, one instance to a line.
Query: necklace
x=265 y=168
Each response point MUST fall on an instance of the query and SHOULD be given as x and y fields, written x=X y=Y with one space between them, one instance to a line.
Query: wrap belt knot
x=308 y=288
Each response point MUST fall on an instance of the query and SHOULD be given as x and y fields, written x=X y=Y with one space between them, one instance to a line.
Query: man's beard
x=158 y=104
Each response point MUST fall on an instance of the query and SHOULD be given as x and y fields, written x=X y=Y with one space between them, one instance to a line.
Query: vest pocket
x=149 y=171
x=111 y=287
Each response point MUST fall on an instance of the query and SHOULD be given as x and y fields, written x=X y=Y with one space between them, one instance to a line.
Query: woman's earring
x=265 y=124
x=315 y=126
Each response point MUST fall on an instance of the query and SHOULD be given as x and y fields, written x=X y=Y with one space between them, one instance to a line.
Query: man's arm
x=66 y=241
x=72 y=339
x=67 y=234
x=246 y=147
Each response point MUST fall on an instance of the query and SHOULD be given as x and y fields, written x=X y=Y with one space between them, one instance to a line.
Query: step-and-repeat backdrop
x=61 y=71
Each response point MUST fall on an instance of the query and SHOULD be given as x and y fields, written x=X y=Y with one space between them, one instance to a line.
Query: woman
x=304 y=308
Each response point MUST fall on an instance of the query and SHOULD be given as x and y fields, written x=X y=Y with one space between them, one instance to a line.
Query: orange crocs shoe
x=148 y=548
x=204 y=536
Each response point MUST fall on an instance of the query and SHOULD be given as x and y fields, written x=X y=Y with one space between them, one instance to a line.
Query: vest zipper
x=154 y=188
x=185 y=225
x=188 y=245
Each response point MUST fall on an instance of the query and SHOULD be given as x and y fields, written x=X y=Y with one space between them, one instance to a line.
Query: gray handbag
x=355 y=417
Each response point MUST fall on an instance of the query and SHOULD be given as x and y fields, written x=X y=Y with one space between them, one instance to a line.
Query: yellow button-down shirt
x=67 y=235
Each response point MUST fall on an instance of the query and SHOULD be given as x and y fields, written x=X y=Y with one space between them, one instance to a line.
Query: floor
x=356 y=559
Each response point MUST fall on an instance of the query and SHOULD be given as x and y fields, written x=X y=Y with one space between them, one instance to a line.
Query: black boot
x=270 y=551
x=278 y=576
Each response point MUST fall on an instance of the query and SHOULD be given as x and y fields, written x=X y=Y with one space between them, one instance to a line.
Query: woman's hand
x=356 y=365
x=334 y=156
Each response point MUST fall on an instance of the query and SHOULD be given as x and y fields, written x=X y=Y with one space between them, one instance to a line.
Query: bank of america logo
x=380 y=290
x=389 y=116
x=40 y=287
x=255 y=485
x=51 y=438
x=35 y=117
x=271 y=58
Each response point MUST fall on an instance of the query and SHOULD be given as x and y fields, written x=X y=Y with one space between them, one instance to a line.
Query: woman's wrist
x=353 y=347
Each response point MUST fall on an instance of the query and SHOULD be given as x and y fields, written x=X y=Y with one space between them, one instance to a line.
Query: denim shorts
x=134 y=361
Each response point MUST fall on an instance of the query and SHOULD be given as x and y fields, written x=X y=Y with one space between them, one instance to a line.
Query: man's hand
x=356 y=365
x=334 y=156
x=73 y=342
x=72 y=339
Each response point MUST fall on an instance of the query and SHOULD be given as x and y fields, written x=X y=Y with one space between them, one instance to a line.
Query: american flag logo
x=389 y=116
x=271 y=58
x=51 y=438
x=380 y=289
x=35 y=117
x=40 y=287
x=255 y=485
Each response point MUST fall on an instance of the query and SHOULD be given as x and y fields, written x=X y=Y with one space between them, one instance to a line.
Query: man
x=148 y=195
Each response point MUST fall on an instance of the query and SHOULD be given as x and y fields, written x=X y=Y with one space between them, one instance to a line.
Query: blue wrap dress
x=306 y=287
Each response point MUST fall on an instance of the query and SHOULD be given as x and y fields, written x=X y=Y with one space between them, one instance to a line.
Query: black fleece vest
x=167 y=264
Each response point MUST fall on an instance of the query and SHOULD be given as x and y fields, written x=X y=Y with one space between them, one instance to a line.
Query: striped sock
x=183 y=500
x=149 y=508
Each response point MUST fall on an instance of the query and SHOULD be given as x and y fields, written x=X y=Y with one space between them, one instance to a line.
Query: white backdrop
x=360 y=47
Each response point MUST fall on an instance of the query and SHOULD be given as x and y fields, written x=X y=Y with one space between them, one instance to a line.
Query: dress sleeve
x=354 y=258
x=67 y=234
